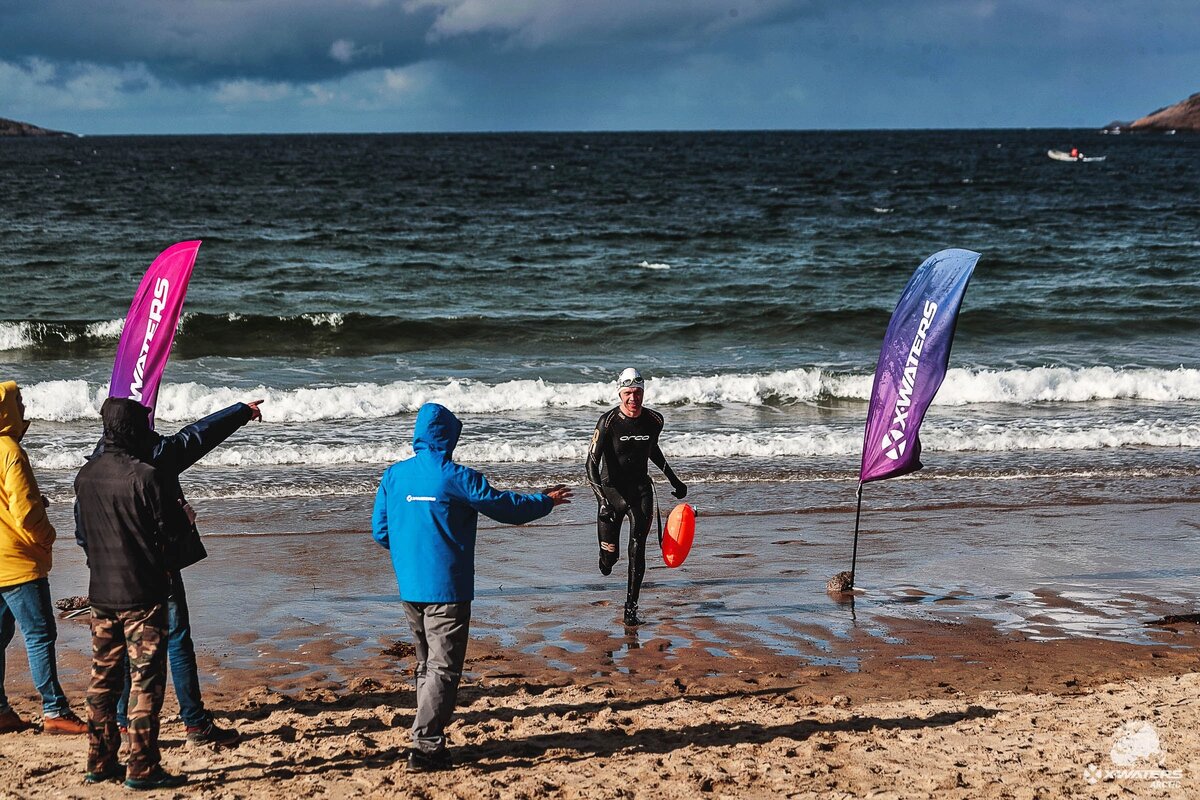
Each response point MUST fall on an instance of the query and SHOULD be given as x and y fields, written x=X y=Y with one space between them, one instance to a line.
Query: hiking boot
x=11 y=722
x=158 y=779
x=420 y=761
x=211 y=733
x=631 y=615
x=65 y=724
x=113 y=772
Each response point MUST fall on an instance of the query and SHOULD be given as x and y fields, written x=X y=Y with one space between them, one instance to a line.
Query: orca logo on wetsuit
x=412 y=498
x=635 y=438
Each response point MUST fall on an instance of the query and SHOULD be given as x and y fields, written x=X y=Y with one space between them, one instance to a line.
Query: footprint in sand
x=736 y=555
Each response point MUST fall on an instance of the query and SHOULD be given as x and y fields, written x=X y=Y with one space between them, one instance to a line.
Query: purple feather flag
x=912 y=363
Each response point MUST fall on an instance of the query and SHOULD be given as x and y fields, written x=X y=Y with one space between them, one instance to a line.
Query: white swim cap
x=630 y=379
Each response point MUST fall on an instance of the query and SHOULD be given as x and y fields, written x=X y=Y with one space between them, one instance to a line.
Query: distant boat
x=1059 y=155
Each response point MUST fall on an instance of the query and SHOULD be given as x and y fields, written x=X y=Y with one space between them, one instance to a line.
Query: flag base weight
x=842 y=582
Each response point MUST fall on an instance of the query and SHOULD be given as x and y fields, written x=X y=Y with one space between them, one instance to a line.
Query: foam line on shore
x=65 y=400
x=808 y=441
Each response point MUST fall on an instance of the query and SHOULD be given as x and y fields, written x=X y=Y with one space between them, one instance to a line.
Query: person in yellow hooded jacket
x=26 y=538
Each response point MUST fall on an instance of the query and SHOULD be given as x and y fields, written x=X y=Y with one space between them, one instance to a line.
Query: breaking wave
x=15 y=335
x=76 y=399
x=806 y=441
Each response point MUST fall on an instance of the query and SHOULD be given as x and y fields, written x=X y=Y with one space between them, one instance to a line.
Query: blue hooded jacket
x=427 y=508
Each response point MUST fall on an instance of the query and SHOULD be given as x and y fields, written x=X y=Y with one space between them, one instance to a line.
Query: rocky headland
x=11 y=127
x=1183 y=116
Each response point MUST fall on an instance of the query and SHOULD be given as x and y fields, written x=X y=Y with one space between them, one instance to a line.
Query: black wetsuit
x=617 y=471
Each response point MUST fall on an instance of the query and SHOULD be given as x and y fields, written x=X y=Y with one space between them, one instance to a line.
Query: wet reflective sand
x=295 y=587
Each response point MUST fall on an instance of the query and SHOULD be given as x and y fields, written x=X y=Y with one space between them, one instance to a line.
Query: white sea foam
x=654 y=265
x=15 y=335
x=1065 y=385
x=21 y=335
x=25 y=334
x=62 y=401
x=331 y=320
x=67 y=400
x=807 y=441
x=973 y=437
x=108 y=329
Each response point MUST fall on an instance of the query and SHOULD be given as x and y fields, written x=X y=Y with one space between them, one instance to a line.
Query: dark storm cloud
x=201 y=41
x=125 y=65
x=198 y=41
x=205 y=40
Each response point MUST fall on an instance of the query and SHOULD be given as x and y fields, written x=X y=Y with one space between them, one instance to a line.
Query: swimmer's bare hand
x=255 y=414
x=559 y=495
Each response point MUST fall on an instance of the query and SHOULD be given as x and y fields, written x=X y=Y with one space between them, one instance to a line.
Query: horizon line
x=570 y=131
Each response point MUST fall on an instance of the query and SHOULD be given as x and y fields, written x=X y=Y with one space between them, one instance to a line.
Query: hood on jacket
x=12 y=421
x=127 y=426
x=436 y=429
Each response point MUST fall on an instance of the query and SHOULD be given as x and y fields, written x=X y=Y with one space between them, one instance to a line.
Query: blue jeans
x=28 y=605
x=181 y=655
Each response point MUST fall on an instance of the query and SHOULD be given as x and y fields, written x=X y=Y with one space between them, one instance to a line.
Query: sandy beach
x=912 y=690
x=1009 y=719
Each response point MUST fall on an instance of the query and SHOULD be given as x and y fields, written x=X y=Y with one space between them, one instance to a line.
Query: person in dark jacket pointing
x=172 y=455
x=134 y=524
x=426 y=512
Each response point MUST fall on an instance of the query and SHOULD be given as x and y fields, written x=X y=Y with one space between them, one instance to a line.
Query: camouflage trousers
x=143 y=632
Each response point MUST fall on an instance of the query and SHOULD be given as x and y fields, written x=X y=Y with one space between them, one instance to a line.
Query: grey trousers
x=440 y=630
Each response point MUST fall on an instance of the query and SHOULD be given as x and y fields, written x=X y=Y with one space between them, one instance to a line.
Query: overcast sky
x=212 y=66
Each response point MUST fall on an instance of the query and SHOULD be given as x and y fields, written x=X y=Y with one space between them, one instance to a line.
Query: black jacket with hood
x=133 y=519
x=171 y=455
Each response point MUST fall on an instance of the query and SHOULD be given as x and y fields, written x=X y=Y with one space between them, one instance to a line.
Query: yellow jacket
x=26 y=534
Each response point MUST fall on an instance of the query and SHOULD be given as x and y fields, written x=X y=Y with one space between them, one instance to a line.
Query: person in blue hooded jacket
x=426 y=512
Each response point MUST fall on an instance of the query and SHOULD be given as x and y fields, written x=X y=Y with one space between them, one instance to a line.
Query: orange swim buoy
x=677 y=539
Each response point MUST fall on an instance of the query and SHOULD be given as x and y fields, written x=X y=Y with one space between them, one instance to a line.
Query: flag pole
x=854 y=553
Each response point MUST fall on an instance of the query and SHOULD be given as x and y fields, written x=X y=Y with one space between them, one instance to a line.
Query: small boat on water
x=1059 y=155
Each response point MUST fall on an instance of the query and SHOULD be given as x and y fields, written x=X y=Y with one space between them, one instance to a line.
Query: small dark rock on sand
x=70 y=607
x=400 y=649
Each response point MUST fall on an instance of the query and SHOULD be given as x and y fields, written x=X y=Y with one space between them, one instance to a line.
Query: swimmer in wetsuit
x=626 y=438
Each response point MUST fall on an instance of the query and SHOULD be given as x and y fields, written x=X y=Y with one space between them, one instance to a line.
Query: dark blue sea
x=750 y=276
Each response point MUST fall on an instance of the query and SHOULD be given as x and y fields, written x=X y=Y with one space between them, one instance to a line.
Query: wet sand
x=747 y=681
